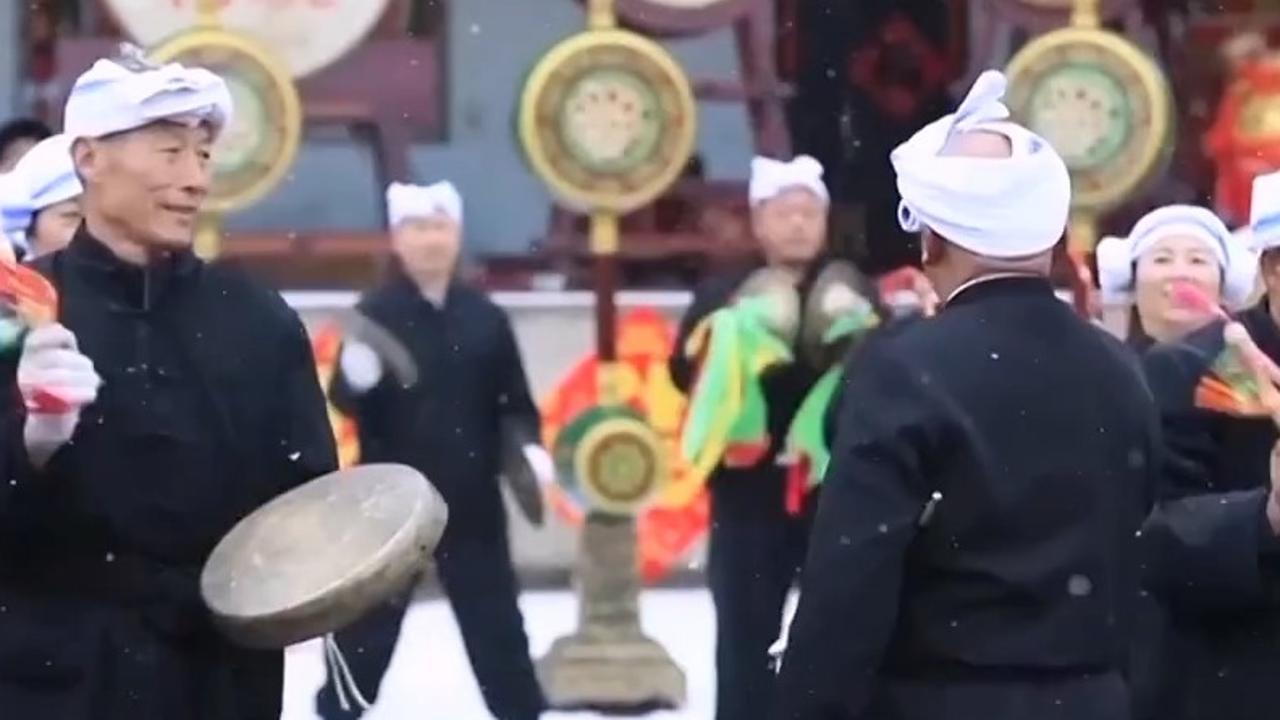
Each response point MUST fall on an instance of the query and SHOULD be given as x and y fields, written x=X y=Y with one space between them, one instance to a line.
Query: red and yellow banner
x=325 y=343
x=678 y=518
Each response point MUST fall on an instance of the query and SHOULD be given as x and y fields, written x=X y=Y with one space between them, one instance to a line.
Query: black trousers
x=756 y=551
x=480 y=582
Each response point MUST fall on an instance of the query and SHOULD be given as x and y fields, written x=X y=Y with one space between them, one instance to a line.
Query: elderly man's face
x=791 y=227
x=427 y=246
x=150 y=182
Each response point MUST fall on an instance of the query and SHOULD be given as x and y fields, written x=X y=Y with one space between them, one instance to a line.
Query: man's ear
x=86 y=156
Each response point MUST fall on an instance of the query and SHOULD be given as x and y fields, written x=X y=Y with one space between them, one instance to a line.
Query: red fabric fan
x=35 y=301
x=1242 y=380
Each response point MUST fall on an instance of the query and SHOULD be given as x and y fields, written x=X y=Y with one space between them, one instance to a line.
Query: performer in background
x=448 y=425
x=184 y=397
x=50 y=178
x=973 y=553
x=15 y=212
x=1174 y=243
x=757 y=543
x=1212 y=544
x=17 y=136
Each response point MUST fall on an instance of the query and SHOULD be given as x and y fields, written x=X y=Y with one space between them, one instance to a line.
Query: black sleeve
x=309 y=448
x=867 y=516
x=515 y=401
x=26 y=492
x=707 y=298
x=1201 y=548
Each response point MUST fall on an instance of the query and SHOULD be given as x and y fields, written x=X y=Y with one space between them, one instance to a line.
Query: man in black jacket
x=1212 y=544
x=973 y=554
x=449 y=426
x=757 y=543
x=187 y=398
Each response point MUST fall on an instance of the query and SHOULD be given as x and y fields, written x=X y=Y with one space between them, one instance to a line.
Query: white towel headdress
x=770 y=178
x=1117 y=256
x=998 y=207
x=1264 y=212
x=48 y=172
x=110 y=98
x=15 y=210
x=418 y=201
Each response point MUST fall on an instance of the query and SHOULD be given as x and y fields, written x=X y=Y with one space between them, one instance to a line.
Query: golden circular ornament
x=608 y=120
x=620 y=464
x=1102 y=103
x=259 y=146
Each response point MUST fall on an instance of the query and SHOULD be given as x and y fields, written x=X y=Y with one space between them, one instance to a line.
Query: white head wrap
x=1264 y=212
x=15 y=210
x=1117 y=256
x=418 y=201
x=48 y=172
x=770 y=178
x=998 y=207
x=110 y=98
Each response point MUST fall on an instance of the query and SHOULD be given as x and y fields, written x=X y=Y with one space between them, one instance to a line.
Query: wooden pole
x=600 y=15
x=1087 y=14
x=604 y=248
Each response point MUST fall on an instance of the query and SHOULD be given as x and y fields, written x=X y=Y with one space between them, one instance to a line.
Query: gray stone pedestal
x=609 y=665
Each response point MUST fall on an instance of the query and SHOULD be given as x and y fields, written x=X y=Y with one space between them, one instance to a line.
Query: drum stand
x=609 y=665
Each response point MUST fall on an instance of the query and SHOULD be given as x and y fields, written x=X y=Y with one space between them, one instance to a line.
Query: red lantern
x=1244 y=141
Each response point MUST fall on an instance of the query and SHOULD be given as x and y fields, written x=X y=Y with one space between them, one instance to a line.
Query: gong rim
x=351 y=592
x=546 y=155
x=1154 y=146
x=771 y=282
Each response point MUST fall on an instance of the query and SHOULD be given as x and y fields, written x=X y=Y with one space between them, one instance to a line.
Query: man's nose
x=194 y=174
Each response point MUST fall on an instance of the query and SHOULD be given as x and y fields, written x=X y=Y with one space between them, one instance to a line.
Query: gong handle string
x=343 y=681
x=1086 y=14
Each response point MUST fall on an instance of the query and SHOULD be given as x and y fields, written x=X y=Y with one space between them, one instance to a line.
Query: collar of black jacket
x=139 y=286
x=1002 y=286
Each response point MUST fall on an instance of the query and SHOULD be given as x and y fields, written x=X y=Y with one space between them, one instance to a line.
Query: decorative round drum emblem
x=608 y=120
x=611 y=460
x=256 y=150
x=620 y=464
x=1102 y=103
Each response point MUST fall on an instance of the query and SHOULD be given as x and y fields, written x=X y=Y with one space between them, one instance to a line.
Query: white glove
x=360 y=365
x=544 y=468
x=52 y=365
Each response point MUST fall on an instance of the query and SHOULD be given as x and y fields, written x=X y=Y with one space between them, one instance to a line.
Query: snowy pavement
x=430 y=678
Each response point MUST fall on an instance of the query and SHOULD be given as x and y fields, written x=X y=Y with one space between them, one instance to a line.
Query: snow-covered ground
x=430 y=678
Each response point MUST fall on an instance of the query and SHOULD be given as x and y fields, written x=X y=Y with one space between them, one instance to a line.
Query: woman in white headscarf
x=1175 y=243
x=1182 y=243
x=50 y=178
